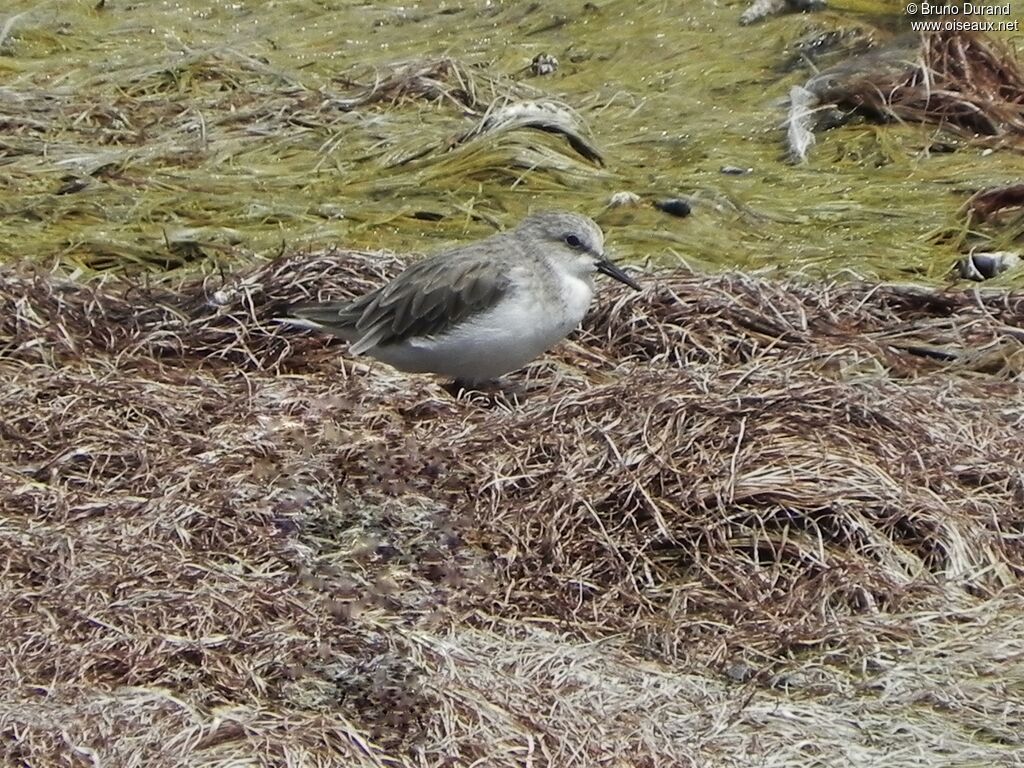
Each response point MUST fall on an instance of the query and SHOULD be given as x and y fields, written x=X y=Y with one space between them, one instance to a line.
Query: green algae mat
x=181 y=136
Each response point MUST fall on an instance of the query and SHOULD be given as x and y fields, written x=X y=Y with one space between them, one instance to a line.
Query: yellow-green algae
x=185 y=133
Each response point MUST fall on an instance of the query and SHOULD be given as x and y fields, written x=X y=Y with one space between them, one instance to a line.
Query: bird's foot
x=491 y=392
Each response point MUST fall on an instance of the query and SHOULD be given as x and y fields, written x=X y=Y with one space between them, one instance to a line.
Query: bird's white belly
x=520 y=328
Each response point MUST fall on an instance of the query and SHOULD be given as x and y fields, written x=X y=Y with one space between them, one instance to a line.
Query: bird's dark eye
x=573 y=242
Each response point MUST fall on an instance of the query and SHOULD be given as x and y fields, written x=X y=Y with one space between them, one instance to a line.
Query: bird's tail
x=330 y=318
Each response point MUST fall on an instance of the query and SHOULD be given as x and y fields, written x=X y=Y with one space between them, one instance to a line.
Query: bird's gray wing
x=426 y=299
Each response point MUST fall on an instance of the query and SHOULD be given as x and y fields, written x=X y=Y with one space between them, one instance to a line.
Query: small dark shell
x=674 y=206
x=986 y=265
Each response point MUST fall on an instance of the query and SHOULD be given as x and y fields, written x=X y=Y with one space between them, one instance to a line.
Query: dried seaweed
x=965 y=82
x=222 y=540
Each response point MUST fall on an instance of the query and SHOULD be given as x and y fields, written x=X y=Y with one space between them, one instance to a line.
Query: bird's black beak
x=606 y=267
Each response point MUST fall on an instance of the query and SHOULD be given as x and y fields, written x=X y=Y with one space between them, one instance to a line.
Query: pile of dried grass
x=432 y=79
x=966 y=82
x=991 y=233
x=223 y=541
x=1000 y=207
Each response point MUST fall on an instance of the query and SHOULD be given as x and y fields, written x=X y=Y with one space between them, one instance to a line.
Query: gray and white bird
x=478 y=311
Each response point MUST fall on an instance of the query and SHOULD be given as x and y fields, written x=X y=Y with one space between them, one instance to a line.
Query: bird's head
x=574 y=242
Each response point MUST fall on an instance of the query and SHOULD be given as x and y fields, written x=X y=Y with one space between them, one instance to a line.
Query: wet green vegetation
x=179 y=135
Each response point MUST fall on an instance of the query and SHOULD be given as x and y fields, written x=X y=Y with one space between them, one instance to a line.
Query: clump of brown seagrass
x=999 y=206
x=225 y=540
x=964 y=82
x=501 y=105
x=435 y=79
x=992 y=233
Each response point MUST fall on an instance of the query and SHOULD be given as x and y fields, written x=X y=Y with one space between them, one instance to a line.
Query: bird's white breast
x=524 y=324
x=576 y=293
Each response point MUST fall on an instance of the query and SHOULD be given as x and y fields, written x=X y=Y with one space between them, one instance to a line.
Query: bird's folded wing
x=427 y=299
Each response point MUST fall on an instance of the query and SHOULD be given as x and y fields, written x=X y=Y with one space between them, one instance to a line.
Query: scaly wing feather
x=426 y=299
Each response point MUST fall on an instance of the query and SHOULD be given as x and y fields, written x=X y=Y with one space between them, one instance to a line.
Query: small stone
x=330 y=211
x=739 y=672
x=72 y=184
x=674 y=206
x=761 y=9
x=222 y=297
x=543 y=64
x=624 y=199
x=735 y=170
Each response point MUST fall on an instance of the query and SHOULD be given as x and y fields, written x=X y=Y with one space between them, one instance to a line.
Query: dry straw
x=738 y=521
x=964 y=82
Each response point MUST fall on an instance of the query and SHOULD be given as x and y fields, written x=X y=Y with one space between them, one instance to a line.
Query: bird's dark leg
x=491 y=389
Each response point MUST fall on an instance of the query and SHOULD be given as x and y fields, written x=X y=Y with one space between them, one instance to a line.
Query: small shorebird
x=478 y=311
